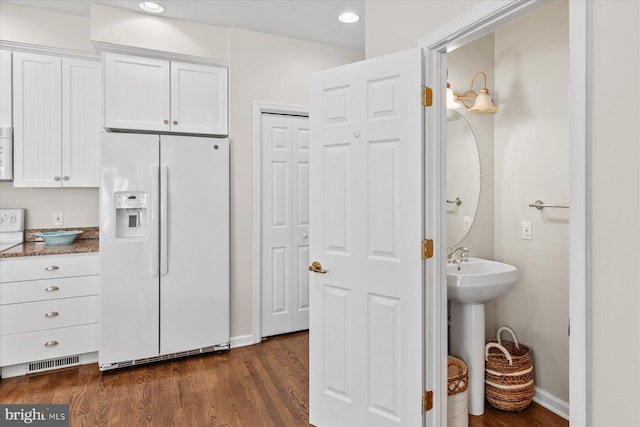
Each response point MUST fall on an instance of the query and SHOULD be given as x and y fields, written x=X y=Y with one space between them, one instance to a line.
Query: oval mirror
x=463 y=177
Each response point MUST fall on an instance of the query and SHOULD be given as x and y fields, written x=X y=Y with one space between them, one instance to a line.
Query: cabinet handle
x=51 y=314
x=56 y=178
x=166 y=122
x=52 y=267
x=52 y=289
x=66 y=178
x=175 y=122
x=51 y=343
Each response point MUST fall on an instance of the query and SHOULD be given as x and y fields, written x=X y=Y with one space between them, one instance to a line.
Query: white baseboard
x=242 y=341
x=552 y=403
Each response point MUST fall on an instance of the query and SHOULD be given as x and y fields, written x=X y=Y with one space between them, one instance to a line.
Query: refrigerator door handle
x=155 y=236
x=164 y=223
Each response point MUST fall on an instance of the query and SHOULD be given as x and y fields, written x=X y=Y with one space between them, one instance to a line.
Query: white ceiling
x=314 y=20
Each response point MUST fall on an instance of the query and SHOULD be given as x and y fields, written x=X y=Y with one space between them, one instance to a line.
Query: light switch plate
x=526 y=230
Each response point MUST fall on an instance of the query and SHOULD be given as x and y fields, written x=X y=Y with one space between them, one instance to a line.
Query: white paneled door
x=285 y=224
x=366 y=198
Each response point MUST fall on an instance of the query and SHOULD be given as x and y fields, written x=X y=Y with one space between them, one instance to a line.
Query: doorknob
x=316 y=267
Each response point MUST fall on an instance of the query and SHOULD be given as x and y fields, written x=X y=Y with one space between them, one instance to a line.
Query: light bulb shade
x=451 y=99
x=483 y=103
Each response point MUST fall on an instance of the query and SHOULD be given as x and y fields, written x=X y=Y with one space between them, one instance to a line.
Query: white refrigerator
x=164 y=247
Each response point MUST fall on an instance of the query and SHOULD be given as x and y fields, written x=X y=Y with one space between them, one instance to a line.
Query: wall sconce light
x=482 y=100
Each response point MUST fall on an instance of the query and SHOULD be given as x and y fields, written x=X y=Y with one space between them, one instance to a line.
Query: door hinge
x=427 y=96
x=427 y=249
x=427 y=400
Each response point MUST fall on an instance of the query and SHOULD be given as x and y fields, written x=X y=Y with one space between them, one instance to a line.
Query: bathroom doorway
x=535 y=152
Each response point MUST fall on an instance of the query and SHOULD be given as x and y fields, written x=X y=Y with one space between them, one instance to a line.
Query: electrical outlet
x=526 y=230
x=58 y=218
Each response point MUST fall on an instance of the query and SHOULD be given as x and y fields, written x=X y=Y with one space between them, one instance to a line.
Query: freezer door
x=194 y=261
x=129 y=247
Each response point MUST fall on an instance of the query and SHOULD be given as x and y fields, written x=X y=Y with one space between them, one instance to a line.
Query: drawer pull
x=51 y=314
x=52 y=289
x=52 y=267
x=51 y=343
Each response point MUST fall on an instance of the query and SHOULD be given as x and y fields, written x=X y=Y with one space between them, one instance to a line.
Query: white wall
x=33 y=26
x=124 y=27
x=532 y=162
x=615 y=207
x=271 y=69
x=393 y=25
x=44 y=28
x=614 y=63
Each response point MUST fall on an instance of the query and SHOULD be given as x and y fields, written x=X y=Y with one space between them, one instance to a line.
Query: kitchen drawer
x=38 y=290
x=48 y=267
x=30 y=346
x=59 y=313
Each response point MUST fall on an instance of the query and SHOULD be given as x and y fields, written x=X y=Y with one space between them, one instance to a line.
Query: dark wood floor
x=534 y=416
x=260 y=385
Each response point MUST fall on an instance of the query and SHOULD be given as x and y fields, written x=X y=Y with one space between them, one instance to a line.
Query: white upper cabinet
x=198 y=98
x=165 y=96
x=37 y=92
x=81 y=122
x=56 y=109
x=136 y=93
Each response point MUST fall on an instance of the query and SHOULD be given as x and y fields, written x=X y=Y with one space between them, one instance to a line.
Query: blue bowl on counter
x=62 y=237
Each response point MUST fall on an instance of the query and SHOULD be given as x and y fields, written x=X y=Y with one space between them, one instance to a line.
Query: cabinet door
x=5 y=89
x=136 y=92
x=37 y=120
x=198 y=98
x=81 y=115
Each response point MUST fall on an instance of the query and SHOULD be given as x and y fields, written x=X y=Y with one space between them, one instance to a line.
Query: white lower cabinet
x=49 y=312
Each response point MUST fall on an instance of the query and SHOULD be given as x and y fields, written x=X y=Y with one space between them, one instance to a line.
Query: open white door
x=366 y=349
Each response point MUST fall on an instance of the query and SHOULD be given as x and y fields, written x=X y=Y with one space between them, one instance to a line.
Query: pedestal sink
x=470 y=284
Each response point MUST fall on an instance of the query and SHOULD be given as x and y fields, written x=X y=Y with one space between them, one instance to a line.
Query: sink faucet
x=459 y=255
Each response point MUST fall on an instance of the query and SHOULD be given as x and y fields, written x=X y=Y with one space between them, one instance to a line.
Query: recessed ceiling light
x=349 y=17
x=151 y=7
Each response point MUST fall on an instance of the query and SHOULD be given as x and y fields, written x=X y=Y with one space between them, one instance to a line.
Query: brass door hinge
x=427 y=400
x=427 y=249
x=427 y=96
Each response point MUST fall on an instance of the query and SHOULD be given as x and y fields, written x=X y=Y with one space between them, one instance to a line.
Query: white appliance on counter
x=11 y=227
x=164 y=247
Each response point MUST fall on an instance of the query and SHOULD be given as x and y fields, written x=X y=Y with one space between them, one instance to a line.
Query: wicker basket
x=458 y=399
x=508 y=373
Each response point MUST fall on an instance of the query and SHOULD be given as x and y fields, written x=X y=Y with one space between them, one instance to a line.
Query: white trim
x=435 y=303
x=258 y=109
x=46 y=50
x=579 y=216
x=552 y=403
x=469 y=26
x=158 y=54
x=242 y=341
x=475 y=23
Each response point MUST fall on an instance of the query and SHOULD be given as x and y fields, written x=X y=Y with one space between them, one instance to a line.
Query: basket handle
x=513 y=335
x=499 y=347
